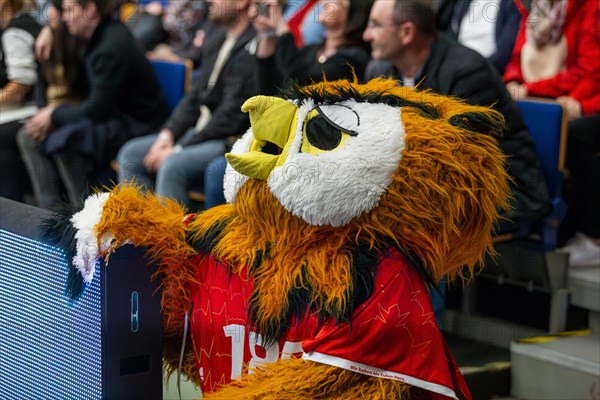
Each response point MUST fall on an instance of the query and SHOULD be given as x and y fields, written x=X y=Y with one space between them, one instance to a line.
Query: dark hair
x=16 y=5
x=419 y=12
x=65 y=56
x=104 y=7
x=358 y=16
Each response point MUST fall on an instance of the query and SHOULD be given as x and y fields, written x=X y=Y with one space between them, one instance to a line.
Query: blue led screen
x=49 y=348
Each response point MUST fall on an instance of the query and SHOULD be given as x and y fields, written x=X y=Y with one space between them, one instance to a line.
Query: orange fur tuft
x=296 y=379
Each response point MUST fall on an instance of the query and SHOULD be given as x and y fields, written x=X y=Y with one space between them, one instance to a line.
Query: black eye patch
x=348 y=114
x=322 y=135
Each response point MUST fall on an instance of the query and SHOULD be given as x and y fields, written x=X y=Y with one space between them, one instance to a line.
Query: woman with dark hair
x=342 y=53
x=63 y=72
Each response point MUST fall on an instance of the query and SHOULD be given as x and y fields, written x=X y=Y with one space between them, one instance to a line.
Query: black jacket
x=235 y=84
x=122 y=83
x=451 y=13
x=453 y=69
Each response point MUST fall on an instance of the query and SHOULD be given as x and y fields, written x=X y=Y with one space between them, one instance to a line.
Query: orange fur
x=296 y=379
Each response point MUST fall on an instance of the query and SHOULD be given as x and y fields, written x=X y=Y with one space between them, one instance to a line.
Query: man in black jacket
x=197 y=130
x=405 y=45
x=69 y=143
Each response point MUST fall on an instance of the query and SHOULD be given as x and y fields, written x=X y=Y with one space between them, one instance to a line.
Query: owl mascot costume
x=346 y=202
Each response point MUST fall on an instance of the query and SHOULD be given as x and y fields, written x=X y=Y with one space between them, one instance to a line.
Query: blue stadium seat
x=174 y=79
x=547 y=124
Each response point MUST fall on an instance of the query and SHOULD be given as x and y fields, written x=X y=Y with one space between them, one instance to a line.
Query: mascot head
x=329 y=178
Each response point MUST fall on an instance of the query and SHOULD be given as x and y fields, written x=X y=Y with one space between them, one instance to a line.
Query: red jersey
x=393 y=335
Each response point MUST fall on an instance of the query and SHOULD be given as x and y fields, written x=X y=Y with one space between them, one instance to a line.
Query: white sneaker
x=583 y=251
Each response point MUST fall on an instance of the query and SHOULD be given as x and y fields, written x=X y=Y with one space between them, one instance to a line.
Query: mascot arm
x=108 y=220
x=127 y=215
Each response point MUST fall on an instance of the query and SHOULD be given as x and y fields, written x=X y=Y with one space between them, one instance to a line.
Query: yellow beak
x=273 y=121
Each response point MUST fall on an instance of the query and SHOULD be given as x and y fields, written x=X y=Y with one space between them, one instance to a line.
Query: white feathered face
x=325 y=163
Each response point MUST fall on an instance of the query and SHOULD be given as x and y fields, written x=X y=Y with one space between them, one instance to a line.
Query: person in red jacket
x=557 y=55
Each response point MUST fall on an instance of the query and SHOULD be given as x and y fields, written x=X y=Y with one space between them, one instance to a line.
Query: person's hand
x=271 y=22
x=43 y=44
x=162 y=147
x=572 y=105
x=199 y=38
x=38 y=126
x=268 y=27
x=517 y=91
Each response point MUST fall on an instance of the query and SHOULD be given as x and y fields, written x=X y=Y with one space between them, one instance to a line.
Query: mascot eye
x=327 y=127
x=322 y=135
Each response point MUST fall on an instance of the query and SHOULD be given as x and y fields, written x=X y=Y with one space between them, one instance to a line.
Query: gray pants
x=49 y=174
x=179 y=172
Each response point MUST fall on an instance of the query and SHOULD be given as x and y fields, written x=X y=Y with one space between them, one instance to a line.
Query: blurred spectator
x=405 y=44
x=18 y=76
x=197 y=130
x=124 y=101
x=18 y=68
x=342 y=54
x=554 y=52
x=184 y=23
x=43 y=44
x=170 y=30
x=487 y=26
x=145 y=19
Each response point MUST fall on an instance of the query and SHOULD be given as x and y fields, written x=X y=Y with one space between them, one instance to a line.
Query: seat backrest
x=547 y=124
x=174 y=79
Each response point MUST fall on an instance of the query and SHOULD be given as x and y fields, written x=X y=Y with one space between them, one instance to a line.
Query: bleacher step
x=565 y=368
x=584 y=286
x=486 y=368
